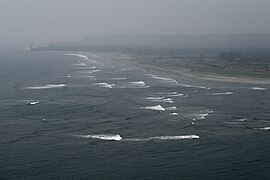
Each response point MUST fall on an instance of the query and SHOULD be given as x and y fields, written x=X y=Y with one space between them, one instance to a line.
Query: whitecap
x=174 y=114
x=155 y=108
x=107 y=137
x=183 y=137
x=258 y=88
x=178 y=95
x=78 y=55
x=223 y=93
x=49 y=86
x=162 y=78
x=193 y=86
x=154 y=98
x=165 y=100
x=171 y=108
x=105 y=85
x=138 y=83
x=33 y=102
x=264 y=128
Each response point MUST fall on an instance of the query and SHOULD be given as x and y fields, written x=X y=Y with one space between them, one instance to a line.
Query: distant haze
x=25 y=22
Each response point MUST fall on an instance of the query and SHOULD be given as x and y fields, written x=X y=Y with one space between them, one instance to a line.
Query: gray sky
x=24 y=22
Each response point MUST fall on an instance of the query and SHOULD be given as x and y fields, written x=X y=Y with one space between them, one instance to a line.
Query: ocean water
x=85 y=116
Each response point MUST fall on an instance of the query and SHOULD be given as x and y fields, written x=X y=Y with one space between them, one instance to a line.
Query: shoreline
x=186 y=73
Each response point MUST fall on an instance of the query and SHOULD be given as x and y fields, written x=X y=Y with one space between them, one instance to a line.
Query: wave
x=93 y=71
x=171 y=108
x=138 y=83
x=78 y=55
x=107 y=137
x=202 y=115
x=155 y=98
x=193 y=86
x=155 y=108
x=164 y=138
x=178 y=95
x=162 y=78
x=165 y=100
x=168 y=93
x=116 y=79
x=174 y=114
x=258 y=88
x=264 y=128
x=117 y=137
x=105 y=85
x=49 y=86
x=224 y=93
x=33 y=102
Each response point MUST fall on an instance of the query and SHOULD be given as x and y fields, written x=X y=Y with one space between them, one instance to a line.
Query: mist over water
x=114 y=121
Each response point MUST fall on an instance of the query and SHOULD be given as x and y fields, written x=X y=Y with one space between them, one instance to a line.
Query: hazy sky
x=24 y=22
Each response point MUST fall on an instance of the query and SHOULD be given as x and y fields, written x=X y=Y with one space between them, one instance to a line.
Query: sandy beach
x=187 y=73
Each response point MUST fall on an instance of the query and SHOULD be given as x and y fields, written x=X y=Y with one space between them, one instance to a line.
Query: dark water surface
x=93 y=118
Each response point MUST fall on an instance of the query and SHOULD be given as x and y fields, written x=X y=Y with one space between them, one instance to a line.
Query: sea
x=85 y=115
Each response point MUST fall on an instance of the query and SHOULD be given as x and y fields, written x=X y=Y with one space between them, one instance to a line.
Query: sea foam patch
x=258 y=88
x=117 y=137
x=163 y=79
x=48 y=86
x=106 y=137
x=105 y=85
x=154 y=108
x=78 y=55
x=193 y=86
x=222 y=93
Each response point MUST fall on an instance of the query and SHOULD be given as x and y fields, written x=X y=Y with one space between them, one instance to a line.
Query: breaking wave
x=174 y=114
x=162 y=78
x=105 y=85
x=193 y=86
x=117 y=137
x=258 y=88
x=224 y=93
x=107 y=137
x=155 y=108
x=78 y=55
x=49 y=86
x=264 y=128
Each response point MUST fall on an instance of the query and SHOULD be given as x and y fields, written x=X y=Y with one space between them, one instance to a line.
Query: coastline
x=187 y=73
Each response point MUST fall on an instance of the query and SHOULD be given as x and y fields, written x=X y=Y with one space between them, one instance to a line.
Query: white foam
x=258 y=88
x=78 y=55
x=165 y=100
x=49 y=86
x=155 y=98
x=116 y=79
x=105 y=85
x=193 y=86
x=223 y=93
x=117 y=137
x=174 y=114
x=162 y=78
x=264 y=128
x=178 y=95
x=93 y=71
x=33 y=103
x=164 y=138
x=106 y=137
x=241 y=120
x=171 y=108
x=138 y=83
x=155 y=108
